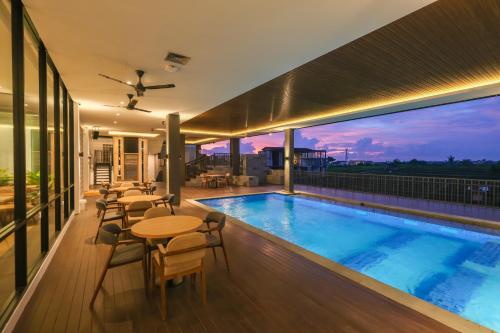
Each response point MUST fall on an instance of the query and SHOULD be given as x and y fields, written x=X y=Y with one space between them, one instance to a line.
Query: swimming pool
x=456 y=269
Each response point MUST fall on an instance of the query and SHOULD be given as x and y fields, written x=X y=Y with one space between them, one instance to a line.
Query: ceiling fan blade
x=142 y=110
x=161 y=86
x=112 y=106
x=133 y=103
x=5 y=93
x=116 y=80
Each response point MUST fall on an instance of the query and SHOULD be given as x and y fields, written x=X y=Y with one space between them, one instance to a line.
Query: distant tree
x=451 y=159
x=331 y=159
x=495 y=168
x=396 y=161
x=467 y=162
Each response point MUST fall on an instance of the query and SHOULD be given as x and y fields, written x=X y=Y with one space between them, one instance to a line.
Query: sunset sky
x=466 y=130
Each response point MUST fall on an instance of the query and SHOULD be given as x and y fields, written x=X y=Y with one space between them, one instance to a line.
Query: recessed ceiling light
x=115 y=122
x=171 y=68
x=122 y=102
x=129 y=82
x=118 y=114
x=135 y=134
x=25 y=104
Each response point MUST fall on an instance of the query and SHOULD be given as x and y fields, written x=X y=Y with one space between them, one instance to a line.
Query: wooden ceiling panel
x=450 y=43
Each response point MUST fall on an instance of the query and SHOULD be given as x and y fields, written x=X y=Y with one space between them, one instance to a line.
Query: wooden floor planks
x=270 y=289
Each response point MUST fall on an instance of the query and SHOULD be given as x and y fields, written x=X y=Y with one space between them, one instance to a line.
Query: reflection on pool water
x=453 y=268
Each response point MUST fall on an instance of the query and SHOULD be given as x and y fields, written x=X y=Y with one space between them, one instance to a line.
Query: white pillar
x=85 y=172
x=289 y=160
x=76 y=158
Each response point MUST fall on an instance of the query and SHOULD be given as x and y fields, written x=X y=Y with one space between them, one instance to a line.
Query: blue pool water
x=453 y=268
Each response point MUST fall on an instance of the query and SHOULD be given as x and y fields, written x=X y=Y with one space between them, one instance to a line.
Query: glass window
x=7 y=286
x=62 y=134
x=32 y=121
x=50 y=125
x=7 y=156
x=52 y=222
x=32 y=142
x=6 y=122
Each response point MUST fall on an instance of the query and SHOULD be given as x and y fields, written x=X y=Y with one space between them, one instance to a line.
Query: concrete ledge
x=440 y=216
x=430 y=310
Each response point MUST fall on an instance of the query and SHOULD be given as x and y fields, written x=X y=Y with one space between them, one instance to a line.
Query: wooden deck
x=270 y=289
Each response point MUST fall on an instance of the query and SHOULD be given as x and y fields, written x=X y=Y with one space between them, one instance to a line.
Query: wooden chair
x=229 y=179
x=212 y=240
x=157 y=212
x=204 y=181
x=136 y=210
x=121 y=252
x=182 y=257
x=167 y=199
x=106 y=195
x=132 y=192
x=102 y=213
x=221 y=182
x=152 y=189
x=152 y=243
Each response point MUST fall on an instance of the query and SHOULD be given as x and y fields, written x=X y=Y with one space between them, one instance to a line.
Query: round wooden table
x=126 y=188
x=133 y=198
x=166 y=226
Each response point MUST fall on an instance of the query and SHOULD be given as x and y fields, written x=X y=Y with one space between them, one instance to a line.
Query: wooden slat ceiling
x=448 y=44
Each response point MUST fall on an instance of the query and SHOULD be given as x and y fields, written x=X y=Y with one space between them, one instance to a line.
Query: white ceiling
x=235 y=46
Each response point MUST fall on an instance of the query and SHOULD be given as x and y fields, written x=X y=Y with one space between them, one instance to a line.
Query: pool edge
x=427 y=309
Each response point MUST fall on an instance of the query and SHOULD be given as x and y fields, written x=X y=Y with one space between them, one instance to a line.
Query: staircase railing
x=196 y=166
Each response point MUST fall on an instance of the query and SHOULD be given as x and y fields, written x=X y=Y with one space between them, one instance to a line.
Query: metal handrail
x=458 y=190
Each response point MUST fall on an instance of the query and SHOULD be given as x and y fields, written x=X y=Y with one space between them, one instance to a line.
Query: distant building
x=303 y=159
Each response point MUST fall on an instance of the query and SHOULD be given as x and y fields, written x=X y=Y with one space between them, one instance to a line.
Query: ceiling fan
x=139 y=87
x=131 y=104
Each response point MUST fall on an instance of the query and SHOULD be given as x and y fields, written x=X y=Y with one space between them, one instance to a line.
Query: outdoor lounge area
x=265 y=166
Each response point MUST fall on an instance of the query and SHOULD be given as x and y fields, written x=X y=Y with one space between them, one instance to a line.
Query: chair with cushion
x=136 y=184
x=129 y=193
x=221 y=181
x=204 y=181
x=215 y=240
x=152 y=189
x=106 y=195
x=107 y=213
x=121 y=252
x=157 y=212
x=136 y=210
x=126 y=184
x=183 y=256
x=167 y=199
x=149 y=214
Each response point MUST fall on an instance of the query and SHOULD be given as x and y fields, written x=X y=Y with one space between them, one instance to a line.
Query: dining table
x=122 y=189
x=166 y=226
x=213 y=177
x=133 y=198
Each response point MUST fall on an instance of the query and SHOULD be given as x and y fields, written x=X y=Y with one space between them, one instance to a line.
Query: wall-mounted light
x=134 y=134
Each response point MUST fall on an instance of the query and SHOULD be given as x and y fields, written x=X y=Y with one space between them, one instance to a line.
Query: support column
x=289 y=160
x=86 y=159
x=174 y=159
x=183 y=158
x=198 y=151
x=234 y=149
x=76 y=156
